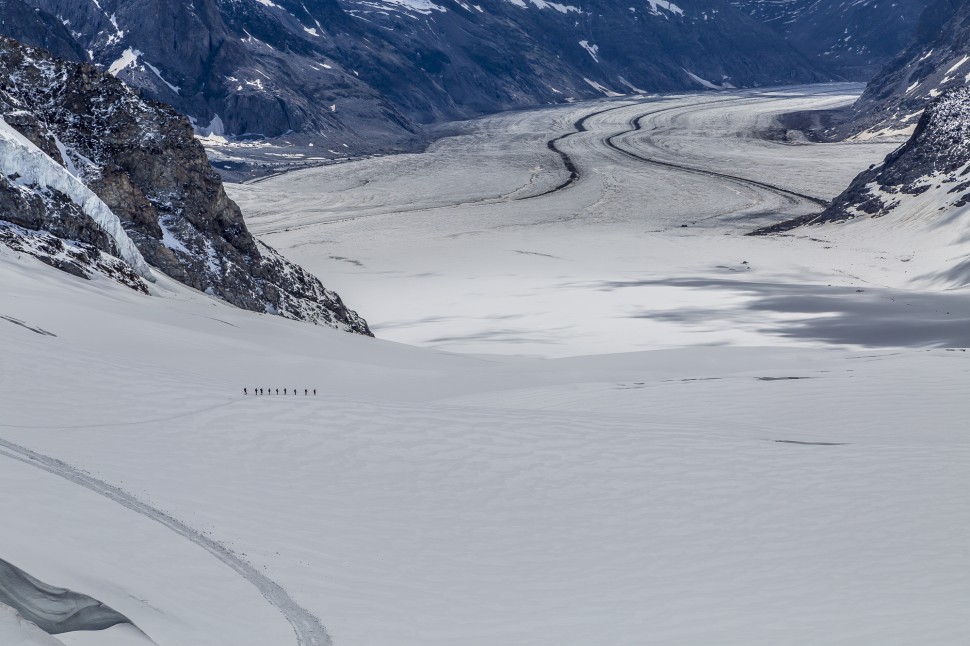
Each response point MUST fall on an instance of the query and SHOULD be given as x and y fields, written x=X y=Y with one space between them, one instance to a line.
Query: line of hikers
x=269 y=391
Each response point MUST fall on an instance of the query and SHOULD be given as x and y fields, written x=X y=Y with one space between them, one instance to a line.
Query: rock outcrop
x=142 y=160
x=930 y=173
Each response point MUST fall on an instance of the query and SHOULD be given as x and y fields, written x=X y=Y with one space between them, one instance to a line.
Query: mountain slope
x=238 y=67
x=143 y=161
x=498 y=54
x=22 y=22
x=853 y=39
x=935 y=60
x=932 y=167
x=920 y=194
x=356 y=74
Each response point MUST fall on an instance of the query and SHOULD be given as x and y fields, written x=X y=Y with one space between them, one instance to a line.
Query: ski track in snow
x=306 y=627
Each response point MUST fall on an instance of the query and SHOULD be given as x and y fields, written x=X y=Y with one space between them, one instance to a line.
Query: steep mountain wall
x=358 y=74
x=852 y=39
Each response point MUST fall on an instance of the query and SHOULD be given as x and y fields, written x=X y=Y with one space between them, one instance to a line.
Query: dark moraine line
x=579 y=126
x=637 y=125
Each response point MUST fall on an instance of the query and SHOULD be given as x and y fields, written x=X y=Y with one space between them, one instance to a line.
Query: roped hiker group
x=286 y=391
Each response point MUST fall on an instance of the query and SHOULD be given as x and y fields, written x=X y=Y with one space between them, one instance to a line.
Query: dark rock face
x=22 y=22
x=241 y=67
x=357 y=74
x=934 y=164
x=852 y=39
x=500 y=54
x=142 y=159
x=933 y=62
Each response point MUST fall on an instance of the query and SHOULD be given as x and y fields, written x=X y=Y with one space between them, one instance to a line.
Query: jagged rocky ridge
x=358 y=74
x=852 y=39
x=929 y=172
x=142 y=160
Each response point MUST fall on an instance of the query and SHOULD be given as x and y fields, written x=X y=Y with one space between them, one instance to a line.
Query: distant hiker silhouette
x=305 y=392
x=277 y=391
x=284 y=391
x=314 y=391
x=244 y=392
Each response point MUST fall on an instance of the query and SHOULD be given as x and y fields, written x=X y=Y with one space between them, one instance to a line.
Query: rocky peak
x=142 y=159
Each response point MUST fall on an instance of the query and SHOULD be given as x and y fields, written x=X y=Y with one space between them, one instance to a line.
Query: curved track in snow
x=306 y=626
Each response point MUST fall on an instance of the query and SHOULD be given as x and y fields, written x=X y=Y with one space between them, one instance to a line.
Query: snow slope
x=695 y=496
x=756 y=478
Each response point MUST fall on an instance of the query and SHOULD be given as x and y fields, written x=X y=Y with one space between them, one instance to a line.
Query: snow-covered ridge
x=20 y=157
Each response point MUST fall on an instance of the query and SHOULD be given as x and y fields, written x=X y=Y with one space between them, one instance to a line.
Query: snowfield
x=717 y=439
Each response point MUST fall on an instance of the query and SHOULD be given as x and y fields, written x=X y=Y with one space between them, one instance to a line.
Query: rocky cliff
x=142 y=160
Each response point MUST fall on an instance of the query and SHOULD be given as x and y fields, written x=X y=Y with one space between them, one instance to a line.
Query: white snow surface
x=543 y=4
x=20 y=156
x=128 y=58
x=17 y=631
x=657 y=5
x=742 y=456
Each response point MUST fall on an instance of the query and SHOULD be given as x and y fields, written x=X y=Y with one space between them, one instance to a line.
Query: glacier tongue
x=18 y=155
